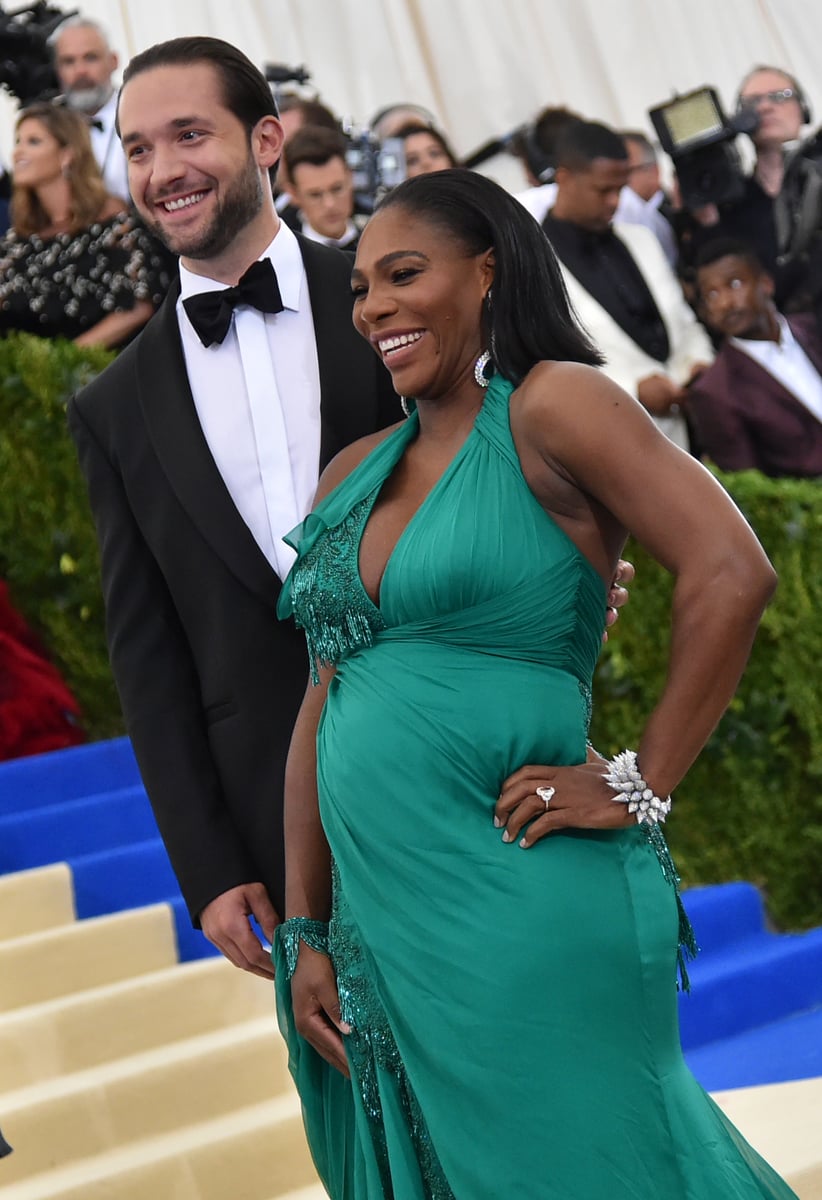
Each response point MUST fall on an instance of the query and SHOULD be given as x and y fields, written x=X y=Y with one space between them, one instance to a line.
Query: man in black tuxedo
x=201 y=445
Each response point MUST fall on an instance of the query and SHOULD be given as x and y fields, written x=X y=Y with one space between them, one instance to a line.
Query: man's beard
x=241 y=204
x=89 y=100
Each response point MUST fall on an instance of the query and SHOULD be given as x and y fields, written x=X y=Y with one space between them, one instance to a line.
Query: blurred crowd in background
x=691 y=249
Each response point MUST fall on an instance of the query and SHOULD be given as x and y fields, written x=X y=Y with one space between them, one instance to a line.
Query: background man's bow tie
x=210 y=312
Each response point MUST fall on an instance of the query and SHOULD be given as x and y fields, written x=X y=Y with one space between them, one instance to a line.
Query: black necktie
x=210 y=312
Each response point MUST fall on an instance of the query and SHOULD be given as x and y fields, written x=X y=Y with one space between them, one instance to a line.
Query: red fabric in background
x=37 y=711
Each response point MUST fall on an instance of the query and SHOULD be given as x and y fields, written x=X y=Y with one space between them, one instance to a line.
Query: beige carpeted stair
x=125 y=1075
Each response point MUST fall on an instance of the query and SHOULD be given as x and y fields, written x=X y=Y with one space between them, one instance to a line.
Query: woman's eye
x=404 y=274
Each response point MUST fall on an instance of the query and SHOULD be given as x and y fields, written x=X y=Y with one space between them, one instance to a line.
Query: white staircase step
x=84 y=1029
x=85 y=955
x=244 y=1156
x=143 y=1096
x=31 y=901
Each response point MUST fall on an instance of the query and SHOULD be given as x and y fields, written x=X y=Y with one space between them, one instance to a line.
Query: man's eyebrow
x=176 y=123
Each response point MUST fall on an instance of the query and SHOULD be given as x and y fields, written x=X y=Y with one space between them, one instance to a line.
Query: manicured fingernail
x=506 y=837
x=524 y=844
x=497 y=823
x=345 y=1027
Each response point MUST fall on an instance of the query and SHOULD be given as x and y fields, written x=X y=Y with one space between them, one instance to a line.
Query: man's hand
x=659 y=394
x=225 y=922
x=618 y=594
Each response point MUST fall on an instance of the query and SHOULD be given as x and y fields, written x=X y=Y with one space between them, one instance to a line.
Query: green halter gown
x=514 y=1012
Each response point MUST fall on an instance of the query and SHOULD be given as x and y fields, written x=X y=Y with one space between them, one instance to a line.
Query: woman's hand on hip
x=568 y=798
x=316 y=1005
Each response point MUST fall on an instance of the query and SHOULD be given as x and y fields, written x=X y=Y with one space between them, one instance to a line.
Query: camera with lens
x=694 y=130
x=26 y=68
x=377 y=166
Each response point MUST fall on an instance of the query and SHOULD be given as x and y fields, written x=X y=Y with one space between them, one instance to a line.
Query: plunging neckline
x=424 y=504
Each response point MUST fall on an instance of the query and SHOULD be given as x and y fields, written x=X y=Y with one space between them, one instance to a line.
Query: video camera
x=701 y=140
x=26 y=68
x=376 y=166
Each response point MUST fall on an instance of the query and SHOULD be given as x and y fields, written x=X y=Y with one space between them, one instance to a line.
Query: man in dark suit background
x=759 y=405
x=201 y=445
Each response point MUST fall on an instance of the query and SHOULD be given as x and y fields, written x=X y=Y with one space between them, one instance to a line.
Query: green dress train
x=514 y=1012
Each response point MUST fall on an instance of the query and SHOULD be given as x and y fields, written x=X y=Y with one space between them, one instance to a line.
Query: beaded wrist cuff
x=302 y=929
x=626 y=779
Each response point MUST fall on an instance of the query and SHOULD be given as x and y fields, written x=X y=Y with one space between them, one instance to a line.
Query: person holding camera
x=763 y=215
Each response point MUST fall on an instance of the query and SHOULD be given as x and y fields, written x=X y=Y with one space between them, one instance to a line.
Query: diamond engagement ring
x=546 y=794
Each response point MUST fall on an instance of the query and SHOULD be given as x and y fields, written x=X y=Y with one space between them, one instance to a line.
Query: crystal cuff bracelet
x=624 y=776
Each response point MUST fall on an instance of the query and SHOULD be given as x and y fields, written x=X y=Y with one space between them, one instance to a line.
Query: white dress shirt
x=633 y=210
x=108 y=151
x=257 y=396
x=789 y=365
x=351 y=234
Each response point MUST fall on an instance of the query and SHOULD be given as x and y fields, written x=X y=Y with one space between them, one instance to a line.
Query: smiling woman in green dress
x=477 y=979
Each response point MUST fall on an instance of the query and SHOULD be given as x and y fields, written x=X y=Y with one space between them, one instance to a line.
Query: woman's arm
x=307 y=857
x=601 y=467
x=114 y=329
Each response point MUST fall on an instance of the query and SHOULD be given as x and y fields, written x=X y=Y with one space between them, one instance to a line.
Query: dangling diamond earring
x=481 y=372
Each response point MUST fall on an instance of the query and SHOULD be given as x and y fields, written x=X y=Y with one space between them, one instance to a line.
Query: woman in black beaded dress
x=75 y=263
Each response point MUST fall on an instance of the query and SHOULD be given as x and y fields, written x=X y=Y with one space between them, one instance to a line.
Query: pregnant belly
x=423 y=726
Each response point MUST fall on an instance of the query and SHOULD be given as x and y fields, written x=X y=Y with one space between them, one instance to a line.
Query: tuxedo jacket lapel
x=334 y=334
x=759 y=379
x=178 y=440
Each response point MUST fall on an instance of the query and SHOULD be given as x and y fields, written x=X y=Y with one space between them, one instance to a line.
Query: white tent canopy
x=485 y=67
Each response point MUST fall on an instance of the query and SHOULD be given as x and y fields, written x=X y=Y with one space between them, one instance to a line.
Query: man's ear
x=767 y=284
x=267 y=139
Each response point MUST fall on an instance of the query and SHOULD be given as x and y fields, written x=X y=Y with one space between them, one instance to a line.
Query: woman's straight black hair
x=530 y=317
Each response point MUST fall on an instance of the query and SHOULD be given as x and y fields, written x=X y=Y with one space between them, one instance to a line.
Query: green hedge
x=48 y=551
x=750 y=808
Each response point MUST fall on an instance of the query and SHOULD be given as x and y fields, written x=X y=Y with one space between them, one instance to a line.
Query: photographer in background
x=85 y=64
x=776 y=101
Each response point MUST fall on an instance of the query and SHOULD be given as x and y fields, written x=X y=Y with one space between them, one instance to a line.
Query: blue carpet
x=754 y=1013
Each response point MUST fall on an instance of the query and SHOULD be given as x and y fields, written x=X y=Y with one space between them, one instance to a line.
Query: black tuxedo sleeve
x=159 y=690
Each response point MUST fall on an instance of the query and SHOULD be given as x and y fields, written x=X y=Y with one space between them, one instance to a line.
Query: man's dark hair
x=727 y=247
x=315 y=145
x=530 y=316
x=582 y=142
x=245 y=89
x=550 y=124
x=313 y=112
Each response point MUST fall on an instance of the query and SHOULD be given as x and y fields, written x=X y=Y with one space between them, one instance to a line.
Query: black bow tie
x=210 y=312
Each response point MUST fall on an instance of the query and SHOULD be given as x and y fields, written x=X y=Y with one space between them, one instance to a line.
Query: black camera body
x=377 y=166
x=694 y=130
x=26 y=68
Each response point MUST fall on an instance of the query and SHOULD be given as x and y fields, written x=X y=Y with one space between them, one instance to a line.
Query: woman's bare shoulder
x=554 y=383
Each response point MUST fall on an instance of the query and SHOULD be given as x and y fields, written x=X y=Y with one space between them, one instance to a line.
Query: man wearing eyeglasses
x=776 y=99
x=781 y=110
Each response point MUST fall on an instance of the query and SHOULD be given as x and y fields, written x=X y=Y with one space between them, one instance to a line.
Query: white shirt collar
x=284 y=252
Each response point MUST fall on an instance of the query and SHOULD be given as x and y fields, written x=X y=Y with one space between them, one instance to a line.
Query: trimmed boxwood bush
x=751 y=807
